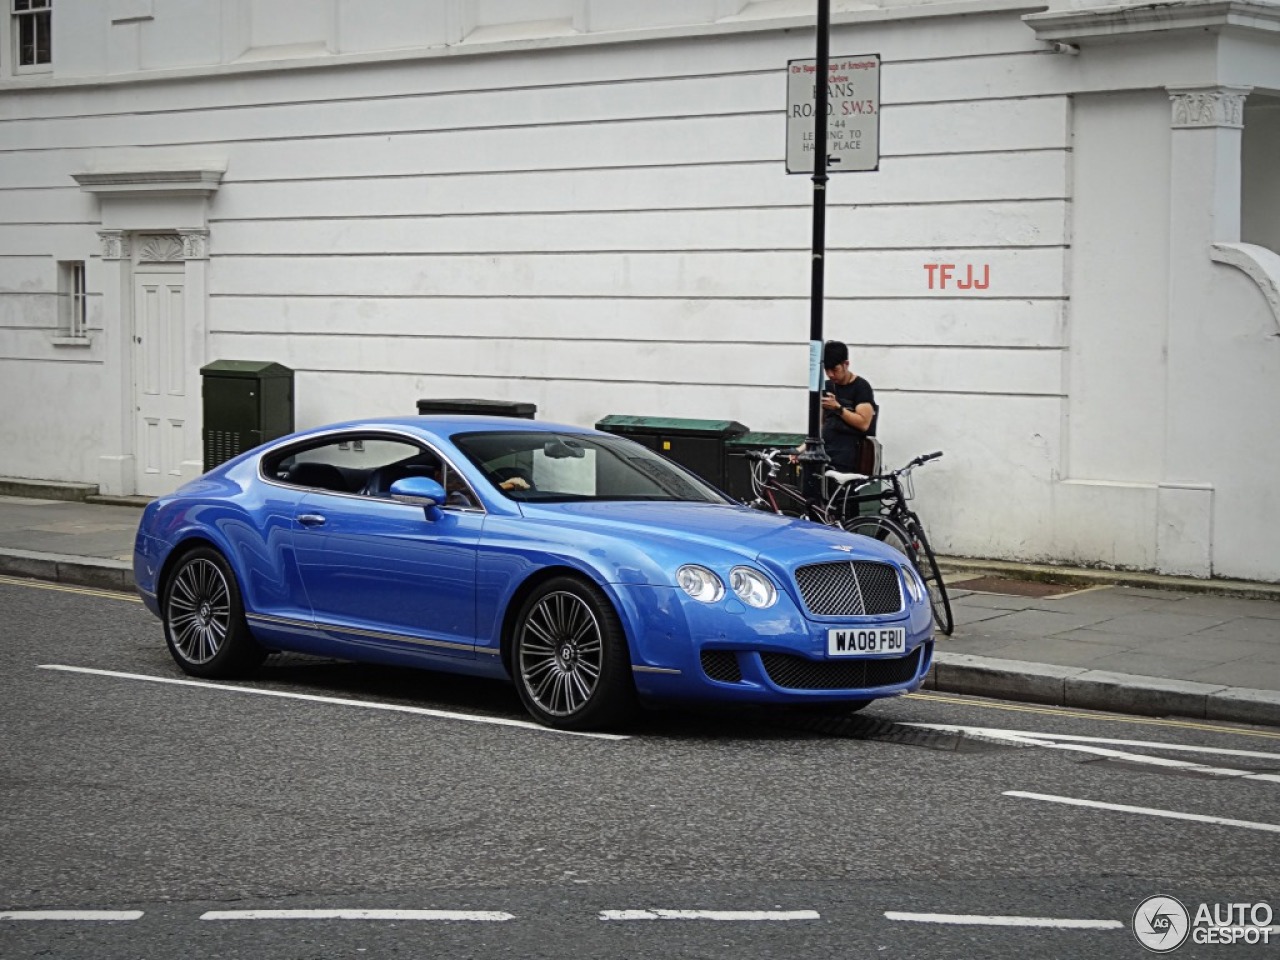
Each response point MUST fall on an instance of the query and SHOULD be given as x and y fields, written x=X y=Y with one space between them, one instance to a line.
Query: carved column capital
x=1196 y=107
x=115 y=244
x=195 y=244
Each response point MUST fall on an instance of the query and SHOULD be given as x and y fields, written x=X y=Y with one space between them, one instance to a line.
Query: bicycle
x=896 y=525
x=773 y=495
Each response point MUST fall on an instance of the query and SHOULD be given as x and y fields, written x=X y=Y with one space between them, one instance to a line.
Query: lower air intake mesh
x=801 y=673
x=721 y=665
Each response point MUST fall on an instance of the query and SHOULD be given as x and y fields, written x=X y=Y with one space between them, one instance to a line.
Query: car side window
x=351 y=464
x=367 y=466
x=458 y=492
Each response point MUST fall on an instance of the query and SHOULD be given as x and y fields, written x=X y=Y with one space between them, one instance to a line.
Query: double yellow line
x=64 y=588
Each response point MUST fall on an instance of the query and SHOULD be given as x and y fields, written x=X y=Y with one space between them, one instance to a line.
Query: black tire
x=570 y=659
x=203 y=618
x=927 y=564
x=884 y=530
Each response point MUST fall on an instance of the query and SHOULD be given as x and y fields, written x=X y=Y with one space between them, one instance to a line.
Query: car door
x=379 y=573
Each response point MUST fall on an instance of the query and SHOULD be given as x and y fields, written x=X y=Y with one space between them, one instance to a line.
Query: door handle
x=310 y=519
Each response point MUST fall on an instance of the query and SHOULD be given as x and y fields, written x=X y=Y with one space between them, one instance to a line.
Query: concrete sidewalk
x=1129 y=643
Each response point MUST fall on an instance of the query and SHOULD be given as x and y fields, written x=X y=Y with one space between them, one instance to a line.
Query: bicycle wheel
x=927 y=564
x=884 y=530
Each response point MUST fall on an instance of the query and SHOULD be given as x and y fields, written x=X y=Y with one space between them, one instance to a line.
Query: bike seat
x=843 y=478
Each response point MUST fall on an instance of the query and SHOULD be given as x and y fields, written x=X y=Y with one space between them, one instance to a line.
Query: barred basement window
x=32 y=33
x=72 y=312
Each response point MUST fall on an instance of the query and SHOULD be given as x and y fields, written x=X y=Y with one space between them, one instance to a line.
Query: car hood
x=782 y=542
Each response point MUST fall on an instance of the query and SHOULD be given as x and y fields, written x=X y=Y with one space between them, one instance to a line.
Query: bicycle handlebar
x=925 y=458
x=768 y=456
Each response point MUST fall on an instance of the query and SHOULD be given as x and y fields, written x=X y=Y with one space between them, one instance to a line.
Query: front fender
x=514 y=552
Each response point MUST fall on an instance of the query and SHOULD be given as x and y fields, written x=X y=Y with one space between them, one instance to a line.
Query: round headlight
x=752 y=587
x=700 y=583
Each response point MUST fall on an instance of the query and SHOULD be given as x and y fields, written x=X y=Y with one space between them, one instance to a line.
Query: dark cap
x=834 y=353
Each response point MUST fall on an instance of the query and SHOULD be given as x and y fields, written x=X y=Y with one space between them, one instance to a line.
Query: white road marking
x=109 y=915
x=710 y=915
x=1109 y=741
x=337 y=701
x=481 y=916
x=993 y=921
x=1148 y=811
x=1054 y=742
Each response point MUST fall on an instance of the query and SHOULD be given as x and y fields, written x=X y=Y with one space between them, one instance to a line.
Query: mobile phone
x=829 y=387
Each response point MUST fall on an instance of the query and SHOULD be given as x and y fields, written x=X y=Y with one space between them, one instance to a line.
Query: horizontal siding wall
x=605 y=229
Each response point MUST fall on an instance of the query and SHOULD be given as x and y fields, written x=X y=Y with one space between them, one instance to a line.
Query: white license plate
x=866 y=641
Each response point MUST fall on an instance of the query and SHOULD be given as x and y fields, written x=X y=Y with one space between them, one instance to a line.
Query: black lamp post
x=815 y=458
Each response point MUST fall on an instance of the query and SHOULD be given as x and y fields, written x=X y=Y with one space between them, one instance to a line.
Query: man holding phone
x=849 y=410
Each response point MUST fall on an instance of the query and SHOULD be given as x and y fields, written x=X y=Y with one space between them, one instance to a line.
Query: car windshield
x=563 y=467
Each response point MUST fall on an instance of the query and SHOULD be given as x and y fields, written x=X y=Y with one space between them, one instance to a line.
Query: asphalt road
x=223 y=820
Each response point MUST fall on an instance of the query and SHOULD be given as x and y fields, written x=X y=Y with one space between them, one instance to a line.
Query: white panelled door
x=160 y=378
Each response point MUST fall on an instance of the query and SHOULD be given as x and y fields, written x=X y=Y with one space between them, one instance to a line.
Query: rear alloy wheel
x=572 y=667
x=203 y=616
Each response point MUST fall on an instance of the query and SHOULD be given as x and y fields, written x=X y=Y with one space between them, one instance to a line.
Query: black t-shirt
x=842 y=439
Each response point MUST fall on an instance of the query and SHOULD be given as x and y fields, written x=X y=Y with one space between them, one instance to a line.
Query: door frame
x=170 y=199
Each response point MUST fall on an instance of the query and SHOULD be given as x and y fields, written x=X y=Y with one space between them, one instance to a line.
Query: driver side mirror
x=421 y=492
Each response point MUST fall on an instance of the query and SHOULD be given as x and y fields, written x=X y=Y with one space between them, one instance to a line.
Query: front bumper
x=685 y=650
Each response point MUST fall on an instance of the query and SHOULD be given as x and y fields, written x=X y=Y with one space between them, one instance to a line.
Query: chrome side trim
x=643 y=669
x=371 y=634
x=281 y=621
x=396 y=637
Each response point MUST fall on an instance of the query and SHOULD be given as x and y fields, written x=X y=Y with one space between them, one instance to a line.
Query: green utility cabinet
x=698 y=445
x=488 y=408
x=246 y=403
x=738 y=482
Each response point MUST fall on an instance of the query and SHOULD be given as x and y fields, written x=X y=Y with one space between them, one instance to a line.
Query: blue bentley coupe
x=589 y=570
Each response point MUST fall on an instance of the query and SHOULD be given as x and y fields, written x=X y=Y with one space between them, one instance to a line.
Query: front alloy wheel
x=571 y=662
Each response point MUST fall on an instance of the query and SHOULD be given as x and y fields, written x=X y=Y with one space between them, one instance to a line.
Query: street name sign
x=853 y=114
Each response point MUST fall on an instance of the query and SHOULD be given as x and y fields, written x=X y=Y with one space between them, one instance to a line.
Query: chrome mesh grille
x=721 y=665
x=850 y=588
x=801 y=673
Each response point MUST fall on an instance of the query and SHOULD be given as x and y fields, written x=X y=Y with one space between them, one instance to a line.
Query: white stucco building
x=583 y=204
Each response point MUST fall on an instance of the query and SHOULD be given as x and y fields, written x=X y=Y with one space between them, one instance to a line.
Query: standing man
x=848 y=409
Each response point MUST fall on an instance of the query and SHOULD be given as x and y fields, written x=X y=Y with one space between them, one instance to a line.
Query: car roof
x=442 y=426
